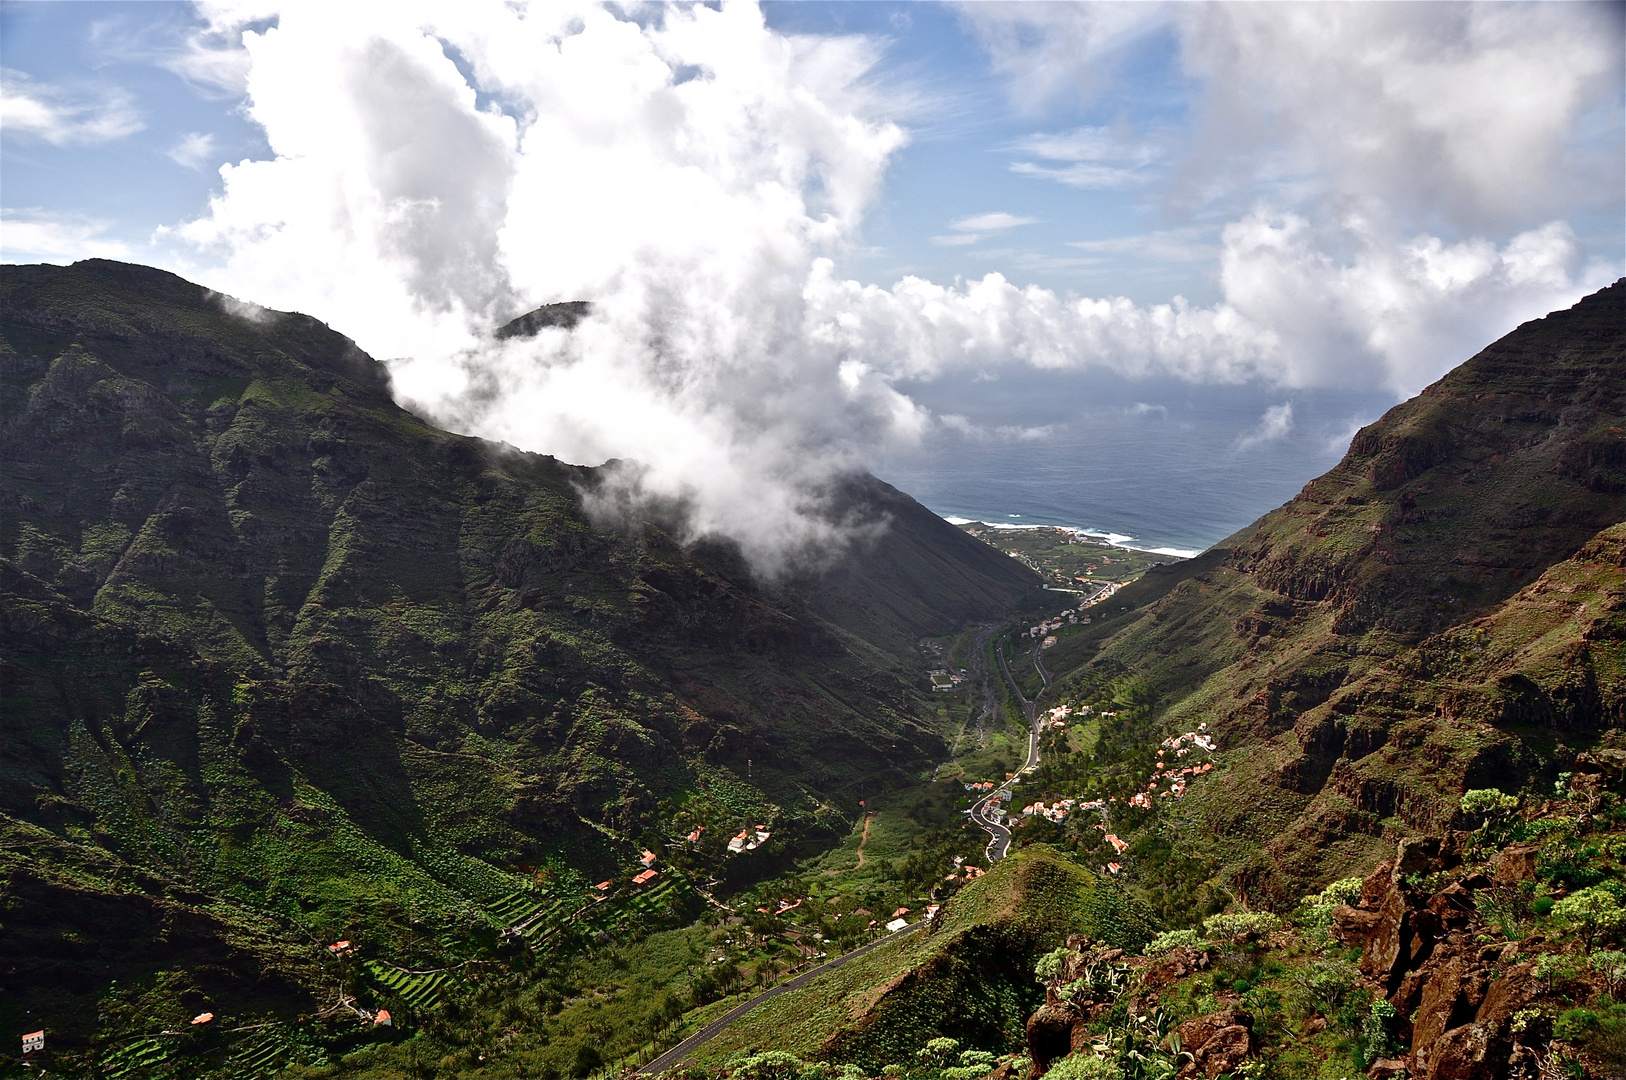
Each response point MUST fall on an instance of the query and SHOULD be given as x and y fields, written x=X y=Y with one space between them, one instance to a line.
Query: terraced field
x=142 y=1059
x=419 y=990
x=259 y=1055
x=519 y=906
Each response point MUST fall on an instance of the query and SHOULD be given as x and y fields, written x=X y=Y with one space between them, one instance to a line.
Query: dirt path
x=862 y=840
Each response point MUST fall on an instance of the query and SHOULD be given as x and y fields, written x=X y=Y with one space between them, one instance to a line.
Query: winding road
x=999 y=843
x=674 y=1057
x=999 y=837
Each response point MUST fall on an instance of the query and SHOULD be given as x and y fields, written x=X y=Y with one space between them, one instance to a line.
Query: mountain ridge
x=1439 y=515
x=279 y=654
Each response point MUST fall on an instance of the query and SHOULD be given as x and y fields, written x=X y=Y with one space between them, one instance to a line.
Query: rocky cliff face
x=1405 y=626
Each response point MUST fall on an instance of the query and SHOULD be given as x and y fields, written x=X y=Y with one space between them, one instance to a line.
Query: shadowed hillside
x=284 y=663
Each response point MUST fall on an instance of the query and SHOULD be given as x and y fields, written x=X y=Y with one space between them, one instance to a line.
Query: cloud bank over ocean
x=1409 y=175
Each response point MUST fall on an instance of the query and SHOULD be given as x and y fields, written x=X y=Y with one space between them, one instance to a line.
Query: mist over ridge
x=708 y=180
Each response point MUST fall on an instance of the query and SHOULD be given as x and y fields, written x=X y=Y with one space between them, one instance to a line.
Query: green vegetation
x=968 y=978
x=285 y=666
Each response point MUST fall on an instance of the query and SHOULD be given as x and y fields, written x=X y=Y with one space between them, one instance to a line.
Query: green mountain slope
x=968 y=976
x=284 y=663
x=1361 y=653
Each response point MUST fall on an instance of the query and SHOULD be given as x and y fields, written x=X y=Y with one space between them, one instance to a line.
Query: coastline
x=1101 y=536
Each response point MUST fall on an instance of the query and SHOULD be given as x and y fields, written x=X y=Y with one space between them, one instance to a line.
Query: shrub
x=1574 y=1025
x=1590 y=913
x=938 y=1052
x=1321 y=986
x=1242 y=924
x=1342 y=891
x=973 y=1064
x=1487 y=801
x=1084 y=1066
x=1542 y=906
x=1379 y=1030
x=1552 y=967
x=1174 y=939
x=1315 y=910
x=769 y=1065
x=1524 y=1020
x=1611 y=964
x=1048 y=967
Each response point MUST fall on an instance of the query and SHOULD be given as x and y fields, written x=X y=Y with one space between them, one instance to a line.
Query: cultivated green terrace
x=286 y=665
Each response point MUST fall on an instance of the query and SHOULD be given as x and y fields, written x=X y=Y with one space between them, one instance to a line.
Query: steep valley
x=315 y=712
x=285 y=665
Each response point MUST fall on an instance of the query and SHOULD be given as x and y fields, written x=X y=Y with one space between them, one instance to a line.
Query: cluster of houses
x=749 y=839
x=647 y=860
x=972 y=873
x=1066 y=617
x=1057 y=717
x=985 y=785
x=943 y=679
x=1056 y=811
x=1177 y=745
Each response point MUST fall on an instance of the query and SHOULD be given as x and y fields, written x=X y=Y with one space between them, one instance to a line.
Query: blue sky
x=967 y=139
x=906 y=237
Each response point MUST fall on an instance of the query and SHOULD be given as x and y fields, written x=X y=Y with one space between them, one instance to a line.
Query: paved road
x=1038 y=664
x=676 y=1056
x=999 y=837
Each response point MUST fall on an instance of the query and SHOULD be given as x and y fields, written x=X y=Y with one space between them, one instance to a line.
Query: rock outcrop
x=1456 y=999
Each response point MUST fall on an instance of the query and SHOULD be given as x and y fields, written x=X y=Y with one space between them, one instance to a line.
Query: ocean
x=1158 y=466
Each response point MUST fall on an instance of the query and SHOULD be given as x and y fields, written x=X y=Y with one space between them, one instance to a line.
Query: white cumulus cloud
x=437 y=170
